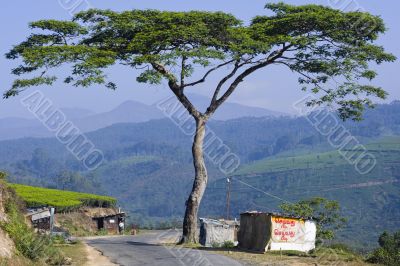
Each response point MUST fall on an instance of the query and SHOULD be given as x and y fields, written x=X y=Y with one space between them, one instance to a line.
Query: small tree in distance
x=388 y=252
x=318 y=43
x=3 y=175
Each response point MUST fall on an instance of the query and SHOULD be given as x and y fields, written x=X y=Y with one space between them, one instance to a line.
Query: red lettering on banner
x=284 y=234
x=285 y=222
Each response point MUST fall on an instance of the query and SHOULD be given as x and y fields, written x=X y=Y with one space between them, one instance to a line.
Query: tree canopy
x=324 y=46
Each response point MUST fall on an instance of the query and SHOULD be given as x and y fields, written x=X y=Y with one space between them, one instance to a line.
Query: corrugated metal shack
x=217 y=232
x=270 y=231
x=39 y=218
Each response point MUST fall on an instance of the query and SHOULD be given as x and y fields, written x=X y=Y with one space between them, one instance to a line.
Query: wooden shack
x=217 y=232
x=107 y=219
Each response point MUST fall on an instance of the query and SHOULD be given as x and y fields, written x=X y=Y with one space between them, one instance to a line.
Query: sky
x=276 y=88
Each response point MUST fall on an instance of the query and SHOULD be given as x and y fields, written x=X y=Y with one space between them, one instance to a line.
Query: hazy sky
x=275 y=89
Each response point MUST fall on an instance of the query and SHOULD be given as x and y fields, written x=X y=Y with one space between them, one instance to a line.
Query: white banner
x=288 y=230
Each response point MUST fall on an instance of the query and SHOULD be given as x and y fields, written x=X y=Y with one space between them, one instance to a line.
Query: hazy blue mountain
x=76 y=113
x=16 y=127
x=231 y=110
x=127 y=112
x=16 y=122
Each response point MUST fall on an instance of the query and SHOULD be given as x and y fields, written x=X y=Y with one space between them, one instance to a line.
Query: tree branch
x=208 y=73
x=227 y=77
x=269 y=60
x=304 y=75
x=183 y=71
x=177 y=90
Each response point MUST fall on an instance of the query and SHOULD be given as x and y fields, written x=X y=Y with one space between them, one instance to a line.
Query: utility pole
x=52 y=213
x=228 y=197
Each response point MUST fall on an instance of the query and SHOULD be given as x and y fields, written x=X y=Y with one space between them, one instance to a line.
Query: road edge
x=95 y=257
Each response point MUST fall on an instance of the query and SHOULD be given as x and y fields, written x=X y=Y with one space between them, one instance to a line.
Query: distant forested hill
x=148 y=168
x=250 y=138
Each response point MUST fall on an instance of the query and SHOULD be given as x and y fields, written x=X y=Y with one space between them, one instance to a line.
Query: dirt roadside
x=95 y=257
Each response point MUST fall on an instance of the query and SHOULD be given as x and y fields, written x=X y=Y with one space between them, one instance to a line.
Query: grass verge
x=76 y=252
x=335 y=255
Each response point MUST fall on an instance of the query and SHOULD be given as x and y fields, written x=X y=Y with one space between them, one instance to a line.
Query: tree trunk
x=200 y=182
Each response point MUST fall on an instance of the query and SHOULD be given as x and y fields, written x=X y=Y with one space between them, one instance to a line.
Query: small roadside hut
x=217 y=232
x=269 y=231
x=40 y=218
x=106 y=219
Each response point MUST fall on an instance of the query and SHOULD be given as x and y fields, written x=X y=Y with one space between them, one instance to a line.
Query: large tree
x=318 y=43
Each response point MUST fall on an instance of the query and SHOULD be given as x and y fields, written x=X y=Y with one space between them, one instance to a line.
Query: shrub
x=342 y=247
x=325 y=212
x=215 y=245
x=55 y=257
x=58 y=239
x=228 y=244
x=2 y=175
x=102 y=232
x=389 y=251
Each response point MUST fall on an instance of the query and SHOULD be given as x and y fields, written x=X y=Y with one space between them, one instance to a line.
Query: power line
x=262 y=191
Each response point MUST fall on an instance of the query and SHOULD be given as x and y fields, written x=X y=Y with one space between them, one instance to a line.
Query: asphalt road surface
x=147 y=249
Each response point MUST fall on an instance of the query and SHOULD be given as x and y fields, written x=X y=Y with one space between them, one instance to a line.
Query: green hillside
x=316 y=160
x=62 y=200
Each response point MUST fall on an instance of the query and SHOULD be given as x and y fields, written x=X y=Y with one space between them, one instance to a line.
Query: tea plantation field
x=60 y=199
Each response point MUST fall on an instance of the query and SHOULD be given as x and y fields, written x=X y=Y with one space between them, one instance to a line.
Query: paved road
x=146 y=249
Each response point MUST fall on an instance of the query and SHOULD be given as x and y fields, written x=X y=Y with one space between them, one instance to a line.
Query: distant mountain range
x=127 y=112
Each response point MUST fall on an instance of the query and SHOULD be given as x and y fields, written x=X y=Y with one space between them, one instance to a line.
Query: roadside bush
x=102 y=232
x=55 y=257
x=325 y=212
x=342 y=247
x=228 y=244
x=3 y=176
x=388 y=252
x=58 y=240
x=215 y=245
